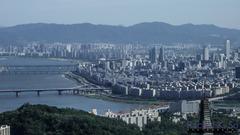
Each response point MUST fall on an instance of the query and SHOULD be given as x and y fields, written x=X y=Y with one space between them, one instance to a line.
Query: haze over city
x=224 y=13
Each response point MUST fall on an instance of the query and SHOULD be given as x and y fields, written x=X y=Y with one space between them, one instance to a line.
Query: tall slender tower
x=205 y=116
x=161 y=54
x=222 y=61
x=227 y=49
x=206 y=53
x=153 y=55
x=205 y=126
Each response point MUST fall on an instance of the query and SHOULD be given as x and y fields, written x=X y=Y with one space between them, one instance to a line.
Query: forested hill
x=155 y=32
x=44 y=120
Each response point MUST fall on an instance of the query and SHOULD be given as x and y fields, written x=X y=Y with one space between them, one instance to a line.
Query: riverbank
x=115 y=98
x=77 y=79
x=64 y=59
x=129 y=100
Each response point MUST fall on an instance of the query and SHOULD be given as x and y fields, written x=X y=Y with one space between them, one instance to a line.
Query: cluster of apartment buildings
x=91 y=51
x=139 y=117
x=168 y=86
x=174 y=73
x=153 y=71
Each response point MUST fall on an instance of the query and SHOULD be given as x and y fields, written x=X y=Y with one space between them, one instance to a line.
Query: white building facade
x=5 y=130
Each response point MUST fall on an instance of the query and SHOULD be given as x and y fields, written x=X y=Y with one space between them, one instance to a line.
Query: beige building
x=5 y=130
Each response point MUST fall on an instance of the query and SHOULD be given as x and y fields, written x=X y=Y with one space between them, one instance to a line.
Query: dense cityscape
x=156 y=71
x=124 y=67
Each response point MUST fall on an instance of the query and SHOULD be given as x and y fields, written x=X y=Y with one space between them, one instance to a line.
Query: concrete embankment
x=78 y=79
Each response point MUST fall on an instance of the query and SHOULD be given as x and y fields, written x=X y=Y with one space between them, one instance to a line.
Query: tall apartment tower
x=206 y=53
x=222 y=61
x=237 y=72
x=153 y=55
x=161 y=54
x=227 y=49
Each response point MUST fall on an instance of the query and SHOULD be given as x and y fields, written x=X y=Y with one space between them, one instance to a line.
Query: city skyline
x=122 y=12
x=91 y=67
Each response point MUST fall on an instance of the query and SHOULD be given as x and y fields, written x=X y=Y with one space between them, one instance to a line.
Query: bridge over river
x=74 y=90
x=37 y=69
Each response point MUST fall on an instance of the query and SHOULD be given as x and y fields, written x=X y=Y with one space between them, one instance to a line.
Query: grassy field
x=128 y=100
x=228 y=103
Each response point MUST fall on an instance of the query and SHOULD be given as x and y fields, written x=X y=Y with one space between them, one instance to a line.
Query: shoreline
x=127 y=100
x=116 y=98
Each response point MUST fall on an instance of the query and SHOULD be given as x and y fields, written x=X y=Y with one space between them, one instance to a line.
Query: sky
x=224 y=13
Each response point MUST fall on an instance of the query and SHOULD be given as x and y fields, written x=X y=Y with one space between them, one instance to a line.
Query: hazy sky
x=224 y=13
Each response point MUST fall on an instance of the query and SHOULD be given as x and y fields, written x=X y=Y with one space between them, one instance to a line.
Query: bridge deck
x=54 y=89
x=75 y=90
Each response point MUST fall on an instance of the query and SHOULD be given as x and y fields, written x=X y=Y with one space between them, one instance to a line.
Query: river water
x=8 y=101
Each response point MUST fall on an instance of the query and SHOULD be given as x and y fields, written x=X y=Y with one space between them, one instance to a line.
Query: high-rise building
x=199 y=57
x=227 y=49
x=206 y=53
x=214 y=57
x=222 y=62
x=161 y=54
x=69 y=48
x=237 y=70
x=5 y=130
x=235 y=56
x=153 y=55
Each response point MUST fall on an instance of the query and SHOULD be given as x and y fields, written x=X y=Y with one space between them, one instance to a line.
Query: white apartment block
x=5 y=130
x=138 y=117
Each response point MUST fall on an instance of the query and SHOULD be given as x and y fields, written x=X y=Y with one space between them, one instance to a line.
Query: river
x=8 y=101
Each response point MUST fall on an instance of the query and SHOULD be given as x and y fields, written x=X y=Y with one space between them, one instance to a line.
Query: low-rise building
x=5 y=130
x=120 y=89
x=135 y=91
x=185 y=107
x=148 y=93
x=220 y=90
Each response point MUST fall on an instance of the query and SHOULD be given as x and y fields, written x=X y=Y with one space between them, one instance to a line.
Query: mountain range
x=145 y=33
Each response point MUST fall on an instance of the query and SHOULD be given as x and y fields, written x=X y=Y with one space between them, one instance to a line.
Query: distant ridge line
x=146 y=33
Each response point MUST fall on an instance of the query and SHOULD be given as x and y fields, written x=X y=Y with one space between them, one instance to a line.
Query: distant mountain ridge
x=146 y=33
